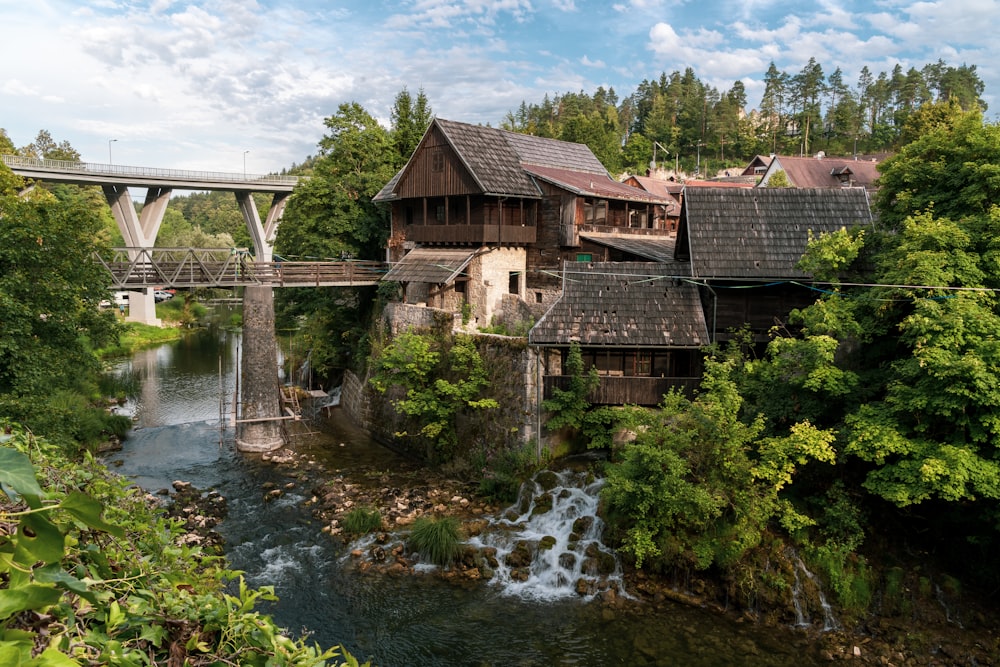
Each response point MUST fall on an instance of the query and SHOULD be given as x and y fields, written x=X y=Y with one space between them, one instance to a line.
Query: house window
x=437 y=160
x=584 y=257
x=595 y=211
x=643 y=364
x=538 y=297
x=460 y=286
x=513 y=282
x=439 y=213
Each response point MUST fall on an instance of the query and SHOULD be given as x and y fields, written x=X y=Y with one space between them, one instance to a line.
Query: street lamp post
x=656 y=144
x=110 y=141
x=245 y=163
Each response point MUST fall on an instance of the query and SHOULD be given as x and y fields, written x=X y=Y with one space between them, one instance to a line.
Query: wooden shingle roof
x=652 y=248
x=491 y=159
x=601 y=186
x=623 y=304
x=438 y=266
x=504 y=163
x=762 y=232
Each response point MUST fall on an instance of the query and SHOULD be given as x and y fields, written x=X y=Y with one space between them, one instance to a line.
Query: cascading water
x=548 y=545
x=801 y=617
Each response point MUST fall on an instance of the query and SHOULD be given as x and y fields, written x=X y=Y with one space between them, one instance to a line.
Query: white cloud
x=184 y=83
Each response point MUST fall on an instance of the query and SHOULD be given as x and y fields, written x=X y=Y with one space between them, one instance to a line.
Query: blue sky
x=209 y=84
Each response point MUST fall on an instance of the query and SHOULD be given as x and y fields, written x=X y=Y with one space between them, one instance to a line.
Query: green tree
x=949 y=167
x=699 y=486
x=6 y=145
x=50 y=288
x=438 y=381
x=807 y=87
x=410 y=119
x=331 y=215
x=45 y=147
x=569 y=406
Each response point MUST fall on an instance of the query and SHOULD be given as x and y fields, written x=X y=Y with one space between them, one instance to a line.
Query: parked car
x=162 y=295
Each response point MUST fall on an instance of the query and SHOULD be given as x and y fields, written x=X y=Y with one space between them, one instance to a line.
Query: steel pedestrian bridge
x=142 y=268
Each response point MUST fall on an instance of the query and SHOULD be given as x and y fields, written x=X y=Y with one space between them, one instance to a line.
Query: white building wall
x=490 y=280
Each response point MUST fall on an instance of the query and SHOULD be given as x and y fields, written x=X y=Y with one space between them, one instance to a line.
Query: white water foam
x=548 y=546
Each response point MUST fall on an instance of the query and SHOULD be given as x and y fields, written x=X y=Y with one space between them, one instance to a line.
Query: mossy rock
x=543 y=504
x=520 y=556
x=547 y=479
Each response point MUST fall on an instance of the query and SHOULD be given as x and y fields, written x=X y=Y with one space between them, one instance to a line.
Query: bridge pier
x=259 y=428
x=142 y=307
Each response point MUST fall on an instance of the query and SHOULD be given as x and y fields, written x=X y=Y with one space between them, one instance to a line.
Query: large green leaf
x=32 y=596
x=17 y=473
x=54 y=574
x=38 y=539
x=15 y=653
x=51 y=657
x=88 y=510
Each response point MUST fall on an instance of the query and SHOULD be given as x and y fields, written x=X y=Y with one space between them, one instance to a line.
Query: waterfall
x=548 y=545
x=801 y=615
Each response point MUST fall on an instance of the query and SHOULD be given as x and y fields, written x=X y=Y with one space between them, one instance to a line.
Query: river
x=408 y=621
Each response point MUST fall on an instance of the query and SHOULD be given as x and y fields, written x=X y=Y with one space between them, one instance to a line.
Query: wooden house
x=758 y=165
x=642 y=319
x=509 y=209
x=669 y=190
x=638 y=323
x=821 y=171
x=742 y=247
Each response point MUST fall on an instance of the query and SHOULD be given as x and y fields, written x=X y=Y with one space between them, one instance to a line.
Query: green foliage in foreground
x=437 y=539
x=92 y=574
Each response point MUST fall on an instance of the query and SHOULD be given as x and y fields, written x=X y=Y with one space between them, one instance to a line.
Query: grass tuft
x=436 y=539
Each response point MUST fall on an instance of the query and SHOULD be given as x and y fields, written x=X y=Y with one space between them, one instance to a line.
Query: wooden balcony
x=471 y=234
x=627 y=390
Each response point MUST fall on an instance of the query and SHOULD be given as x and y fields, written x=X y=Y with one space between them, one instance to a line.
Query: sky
x=245 y=85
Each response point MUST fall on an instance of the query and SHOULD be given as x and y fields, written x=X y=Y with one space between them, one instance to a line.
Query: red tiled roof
x=823 y=172
x=595 y=185
x=716 y=184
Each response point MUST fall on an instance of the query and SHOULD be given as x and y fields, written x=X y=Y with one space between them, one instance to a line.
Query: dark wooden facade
x=627 y=390
x=744 y=245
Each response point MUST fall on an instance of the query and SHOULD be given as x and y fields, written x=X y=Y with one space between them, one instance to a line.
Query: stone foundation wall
x=513 y=368
x=403 y=316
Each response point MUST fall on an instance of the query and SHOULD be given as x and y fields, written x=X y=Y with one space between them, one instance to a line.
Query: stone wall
x=403 y=316
x=513 y=370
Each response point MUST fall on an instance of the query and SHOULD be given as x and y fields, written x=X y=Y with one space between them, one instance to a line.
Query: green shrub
x=504 y=473
x=100 y=577
x=361 y=521
x=436 y=539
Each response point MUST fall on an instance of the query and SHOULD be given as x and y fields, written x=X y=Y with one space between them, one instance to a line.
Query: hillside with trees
x=799 y=113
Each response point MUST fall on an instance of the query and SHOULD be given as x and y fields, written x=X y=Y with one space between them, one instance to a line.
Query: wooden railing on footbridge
x=137 y=268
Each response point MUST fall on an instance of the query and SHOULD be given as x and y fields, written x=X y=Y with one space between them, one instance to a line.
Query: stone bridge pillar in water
x=260 y=427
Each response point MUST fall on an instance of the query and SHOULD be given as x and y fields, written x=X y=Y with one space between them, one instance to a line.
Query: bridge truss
x=141 y=268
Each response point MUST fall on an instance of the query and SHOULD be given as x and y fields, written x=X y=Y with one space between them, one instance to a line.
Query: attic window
x=437 y=160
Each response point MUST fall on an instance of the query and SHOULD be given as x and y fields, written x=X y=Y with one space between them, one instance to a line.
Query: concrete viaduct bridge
x=140 y=266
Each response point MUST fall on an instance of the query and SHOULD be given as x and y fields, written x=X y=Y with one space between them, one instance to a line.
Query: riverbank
x=937 y=627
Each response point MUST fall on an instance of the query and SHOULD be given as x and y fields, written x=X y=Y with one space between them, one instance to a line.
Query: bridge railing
x=98 y=169
x=138 y=268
